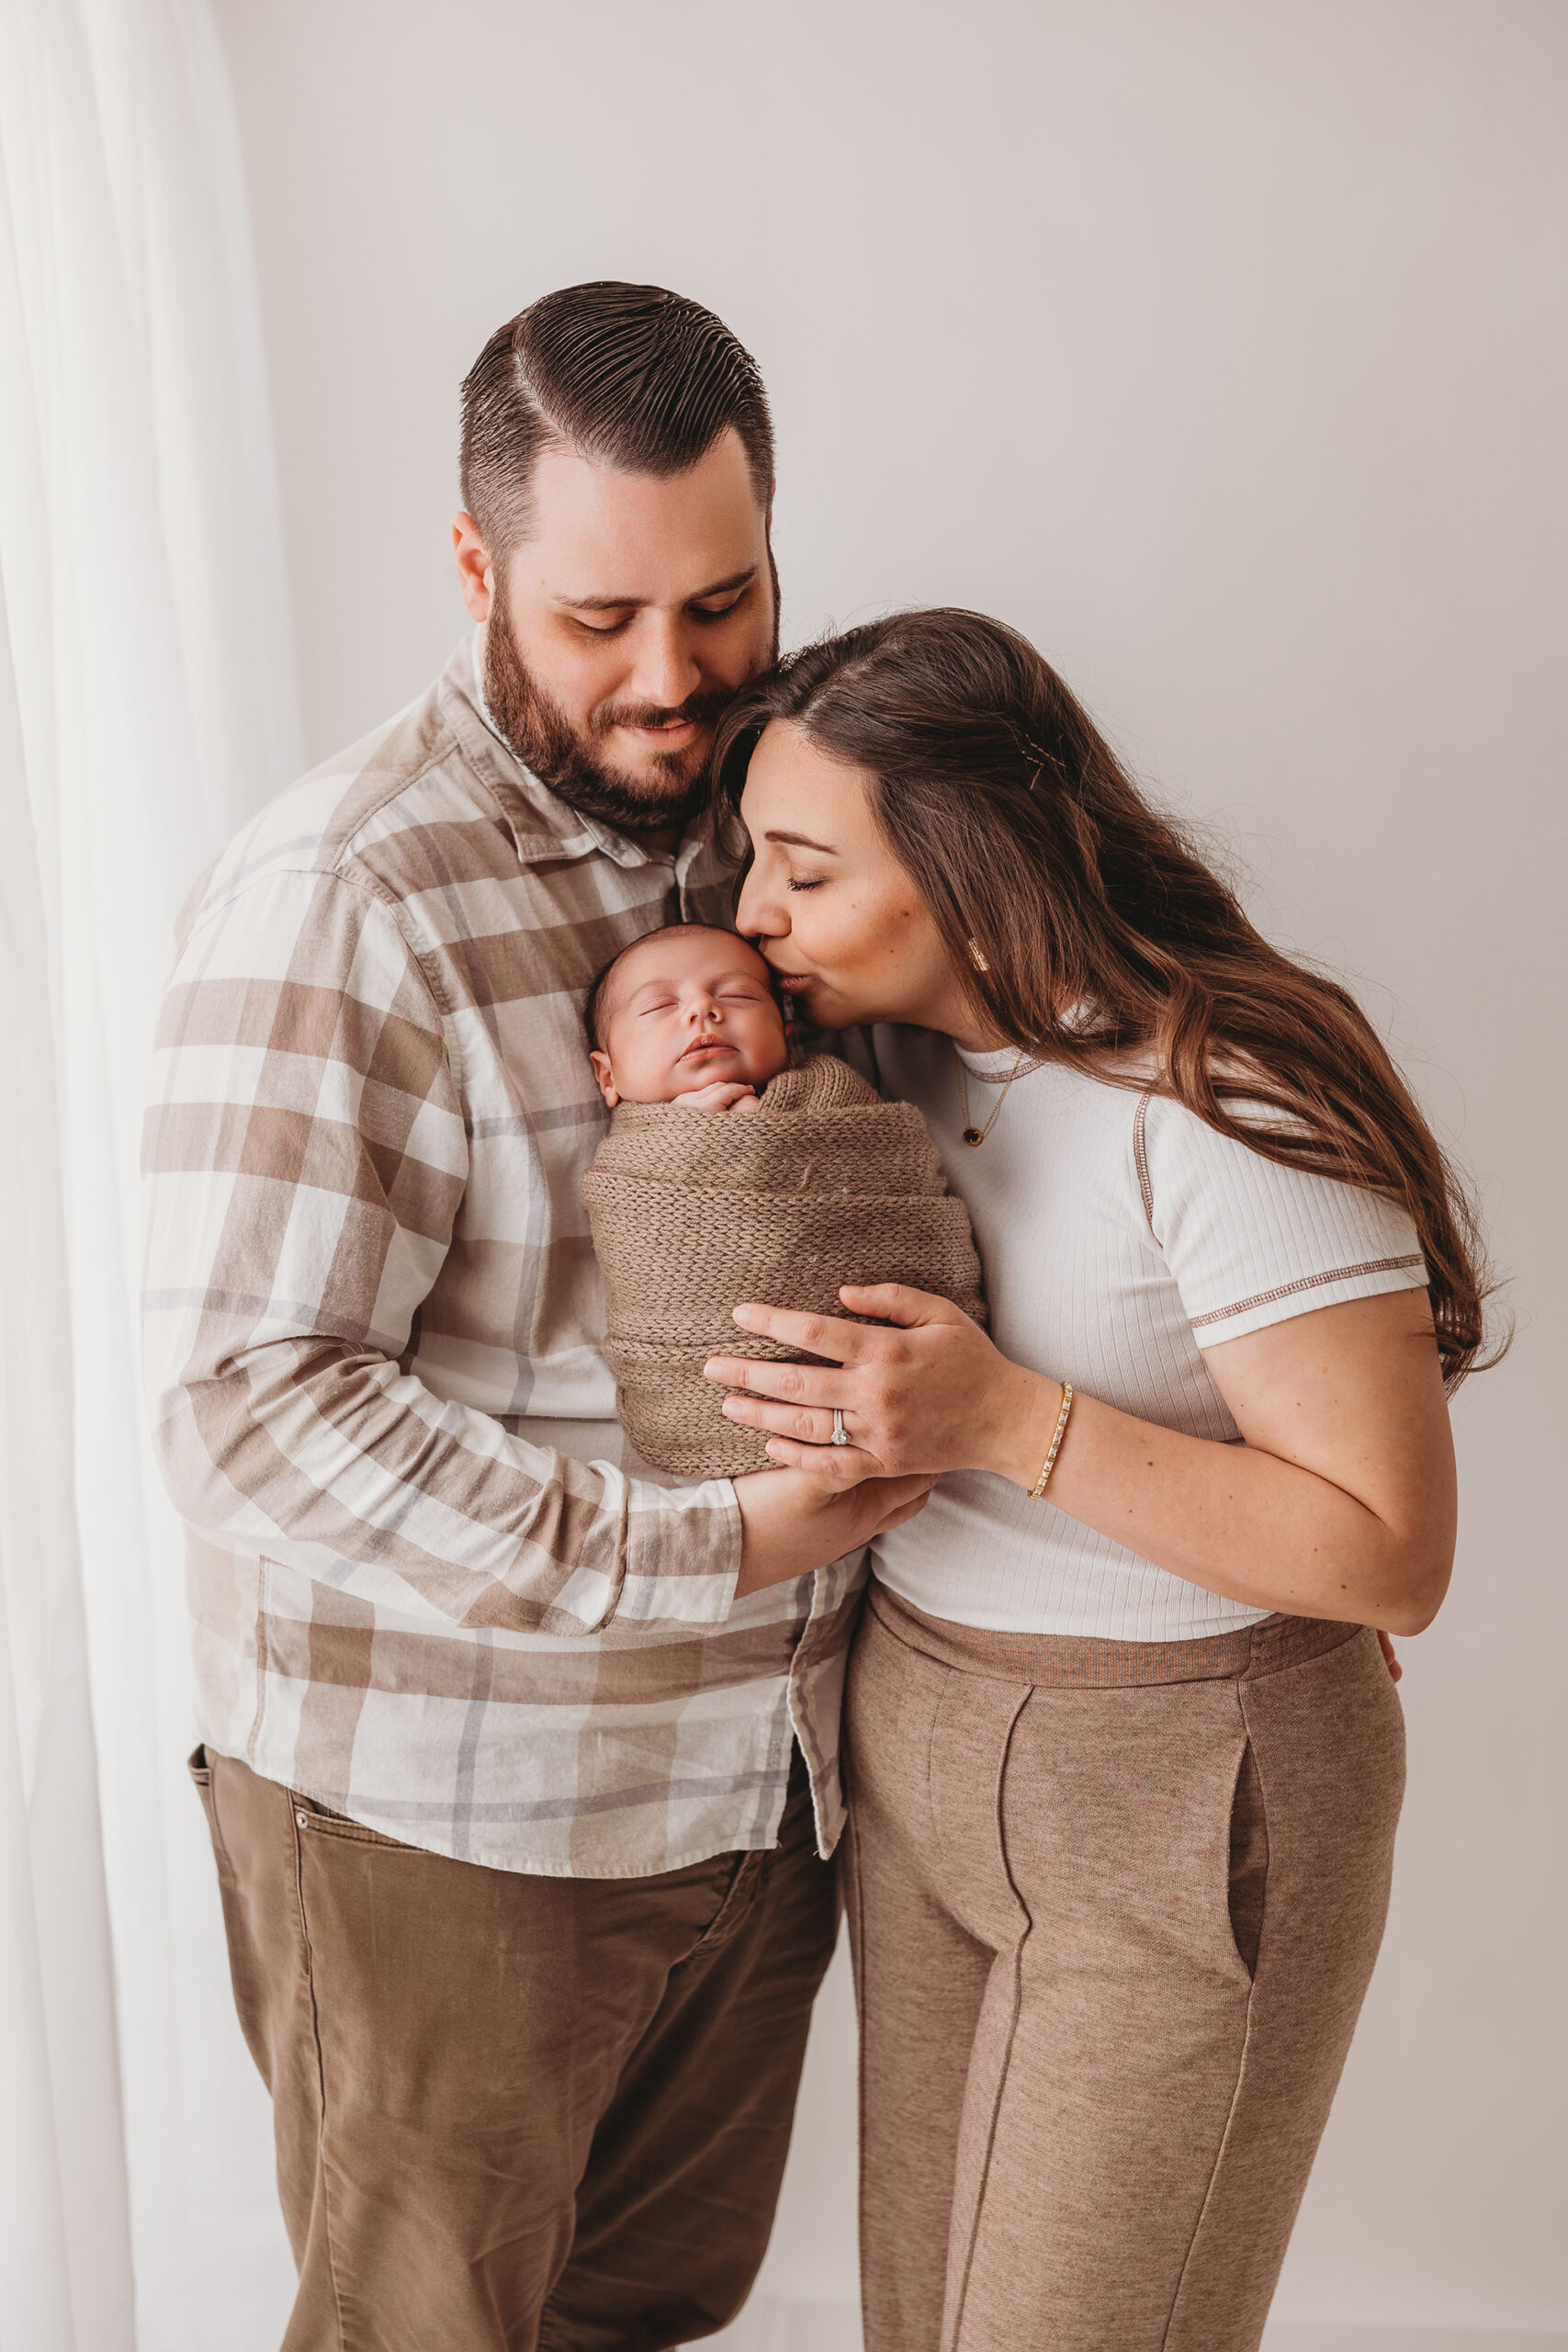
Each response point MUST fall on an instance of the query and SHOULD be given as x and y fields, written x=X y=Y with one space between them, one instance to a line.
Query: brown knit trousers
x=515 y=2112
x=1114 y=1906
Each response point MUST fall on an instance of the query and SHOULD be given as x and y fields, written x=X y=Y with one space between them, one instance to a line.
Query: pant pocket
x=199 y=1764
x=310 y=1813
x=1248 y=1859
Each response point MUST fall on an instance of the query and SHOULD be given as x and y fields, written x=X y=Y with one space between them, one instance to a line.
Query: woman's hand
x=791 y=1524
x=926 y=1393
x=1339 y=1502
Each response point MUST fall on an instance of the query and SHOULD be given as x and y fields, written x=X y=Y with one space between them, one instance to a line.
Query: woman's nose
x=757 y=916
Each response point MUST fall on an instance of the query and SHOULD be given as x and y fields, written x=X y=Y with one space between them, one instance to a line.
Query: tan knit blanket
x=694 y=1210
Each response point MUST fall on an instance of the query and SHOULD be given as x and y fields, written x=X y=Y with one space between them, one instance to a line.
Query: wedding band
x=840 y=1435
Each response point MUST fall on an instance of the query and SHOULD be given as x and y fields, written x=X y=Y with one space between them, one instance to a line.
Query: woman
x=1125 y=1761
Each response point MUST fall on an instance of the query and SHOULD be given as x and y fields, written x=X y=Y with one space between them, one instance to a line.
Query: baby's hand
x=723 y=1094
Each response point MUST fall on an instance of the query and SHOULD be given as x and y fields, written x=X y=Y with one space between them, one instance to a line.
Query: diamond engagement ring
x=840 y=1435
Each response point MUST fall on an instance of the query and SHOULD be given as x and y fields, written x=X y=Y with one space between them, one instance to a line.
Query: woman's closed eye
x=806 y=882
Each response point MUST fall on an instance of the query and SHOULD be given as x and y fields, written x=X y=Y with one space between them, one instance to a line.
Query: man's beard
x=573 y=763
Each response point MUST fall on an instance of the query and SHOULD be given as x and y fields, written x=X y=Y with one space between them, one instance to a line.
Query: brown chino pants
x=1114 y=1908
x=515 y=2111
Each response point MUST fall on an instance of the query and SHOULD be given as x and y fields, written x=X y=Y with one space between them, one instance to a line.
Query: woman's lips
x=794 y=983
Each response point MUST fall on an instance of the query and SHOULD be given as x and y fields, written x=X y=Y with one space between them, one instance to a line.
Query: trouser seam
x=1235 y=2092
x=962 y=2296
x=322 y=2169
x=855 y=1911
x=1213 y=2176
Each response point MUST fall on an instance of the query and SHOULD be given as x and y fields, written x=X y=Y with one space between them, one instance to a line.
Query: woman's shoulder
x=1180 y=1154
x=1241 y=1195
x=1173 y=1132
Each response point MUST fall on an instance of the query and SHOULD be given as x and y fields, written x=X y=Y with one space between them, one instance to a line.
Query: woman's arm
x=1339 y=1503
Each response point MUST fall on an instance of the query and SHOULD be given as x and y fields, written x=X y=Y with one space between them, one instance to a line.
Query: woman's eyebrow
x=802 y=841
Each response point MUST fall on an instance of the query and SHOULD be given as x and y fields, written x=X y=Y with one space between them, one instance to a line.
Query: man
x=524 y=1904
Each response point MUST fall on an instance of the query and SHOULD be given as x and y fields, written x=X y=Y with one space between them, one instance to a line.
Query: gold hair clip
x=1043 y=760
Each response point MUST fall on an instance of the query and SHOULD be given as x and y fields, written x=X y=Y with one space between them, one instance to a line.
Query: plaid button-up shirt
x=430 y=1585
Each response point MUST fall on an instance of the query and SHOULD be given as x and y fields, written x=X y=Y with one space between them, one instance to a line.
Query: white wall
x=1221 y=347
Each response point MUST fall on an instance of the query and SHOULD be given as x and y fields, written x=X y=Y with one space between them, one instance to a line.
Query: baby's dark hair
x=593 y=1010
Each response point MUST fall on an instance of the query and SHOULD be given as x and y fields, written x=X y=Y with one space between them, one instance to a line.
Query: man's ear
x=476 y=574
x=606 y=1076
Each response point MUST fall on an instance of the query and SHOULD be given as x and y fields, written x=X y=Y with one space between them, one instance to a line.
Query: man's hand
x=723 y=1094
x=792 y=1523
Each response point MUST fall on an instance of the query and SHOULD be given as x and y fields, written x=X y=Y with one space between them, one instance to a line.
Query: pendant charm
x=972 y=1136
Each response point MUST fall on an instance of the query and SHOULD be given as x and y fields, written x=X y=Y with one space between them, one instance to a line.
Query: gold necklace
x=972 y=1136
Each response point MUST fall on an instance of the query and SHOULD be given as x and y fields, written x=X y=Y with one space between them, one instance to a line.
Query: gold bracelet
x=1037 y=1492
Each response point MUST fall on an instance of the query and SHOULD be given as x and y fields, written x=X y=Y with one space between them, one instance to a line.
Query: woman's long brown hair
x=1107 y=939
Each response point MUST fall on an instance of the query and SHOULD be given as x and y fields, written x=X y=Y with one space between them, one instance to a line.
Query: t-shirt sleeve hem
x=1370 y=1278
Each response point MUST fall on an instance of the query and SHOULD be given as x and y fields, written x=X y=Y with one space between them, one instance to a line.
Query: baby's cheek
x=775 y=1055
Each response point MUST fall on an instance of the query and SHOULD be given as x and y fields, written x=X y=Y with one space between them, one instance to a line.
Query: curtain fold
x=65 y=2278
x=147 y=705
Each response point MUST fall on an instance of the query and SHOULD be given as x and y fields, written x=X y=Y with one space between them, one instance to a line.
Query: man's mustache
x=698 y=710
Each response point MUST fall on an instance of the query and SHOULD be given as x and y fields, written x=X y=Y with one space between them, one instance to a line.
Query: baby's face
x=688 y=1011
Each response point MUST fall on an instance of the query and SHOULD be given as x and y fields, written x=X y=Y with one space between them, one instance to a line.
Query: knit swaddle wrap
x=694 y=1210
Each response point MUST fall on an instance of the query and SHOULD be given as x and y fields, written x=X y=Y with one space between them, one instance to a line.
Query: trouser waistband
x=1064 y=1660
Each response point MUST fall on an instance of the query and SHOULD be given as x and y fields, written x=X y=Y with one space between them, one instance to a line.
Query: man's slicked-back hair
x=632 y=375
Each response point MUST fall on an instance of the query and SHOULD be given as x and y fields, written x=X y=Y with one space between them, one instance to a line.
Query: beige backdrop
x=1220 y=347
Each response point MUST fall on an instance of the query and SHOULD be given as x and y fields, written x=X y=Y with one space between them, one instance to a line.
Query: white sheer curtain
x=146 y=705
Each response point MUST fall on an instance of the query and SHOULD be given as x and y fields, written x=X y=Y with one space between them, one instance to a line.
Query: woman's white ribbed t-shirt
x=1119 y=1237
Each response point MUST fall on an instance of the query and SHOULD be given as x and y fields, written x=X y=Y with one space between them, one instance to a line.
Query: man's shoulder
x=411 y=806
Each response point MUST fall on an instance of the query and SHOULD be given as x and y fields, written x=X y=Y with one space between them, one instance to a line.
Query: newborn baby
x=729 y=1175
x=686 y=1015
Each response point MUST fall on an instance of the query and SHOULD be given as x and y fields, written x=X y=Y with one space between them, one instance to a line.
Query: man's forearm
x=329 y=1454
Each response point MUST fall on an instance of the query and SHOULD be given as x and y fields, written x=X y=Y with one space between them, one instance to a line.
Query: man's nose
x=667 y=669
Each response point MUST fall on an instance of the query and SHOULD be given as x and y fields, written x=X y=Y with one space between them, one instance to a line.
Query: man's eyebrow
x=635 y=603
x=802 y=841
